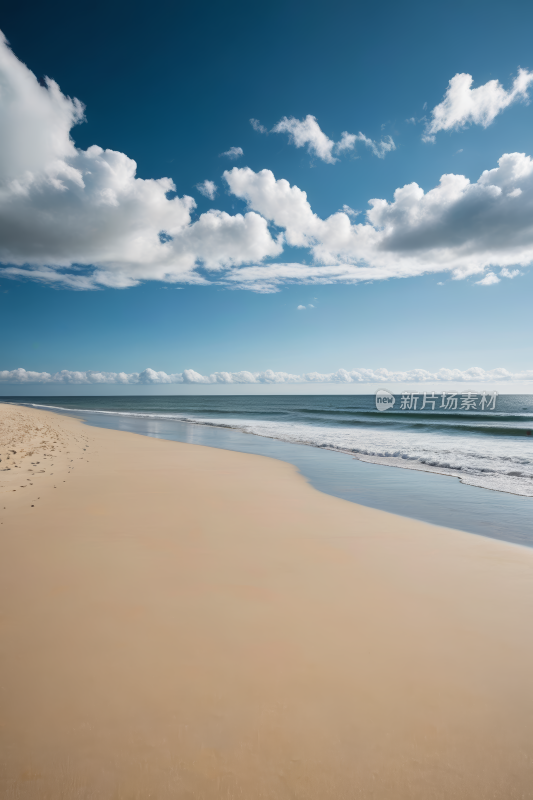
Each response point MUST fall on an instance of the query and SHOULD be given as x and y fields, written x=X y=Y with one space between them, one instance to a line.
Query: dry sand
x=184 y=622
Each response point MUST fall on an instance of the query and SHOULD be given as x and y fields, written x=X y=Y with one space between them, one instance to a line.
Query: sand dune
x=183 y=622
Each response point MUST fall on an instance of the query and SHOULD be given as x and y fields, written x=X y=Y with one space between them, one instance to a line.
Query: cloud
x=380 y=149
x=352 y=212
x=34 y=124
x=489 y=279
x=463 y=106
x=308 y=132
x=233 y=153
x=347 y=142
x=301 y=308
x=82 y=219
x=208 y=189
x=256 y=125
x=85 y=211
x=459 y=227
x=189 y=376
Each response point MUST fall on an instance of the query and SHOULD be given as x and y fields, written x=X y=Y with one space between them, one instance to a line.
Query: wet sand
x=185 y=622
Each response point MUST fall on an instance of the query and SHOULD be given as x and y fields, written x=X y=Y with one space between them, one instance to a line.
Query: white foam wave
x=504 y=466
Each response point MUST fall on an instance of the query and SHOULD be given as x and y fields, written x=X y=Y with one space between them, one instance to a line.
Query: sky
x=298 y=197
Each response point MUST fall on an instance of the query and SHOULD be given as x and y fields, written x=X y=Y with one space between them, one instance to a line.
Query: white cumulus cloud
x=308 y=132
x=233 y=153
x=380 y=149
x=461 y=227
x=347 y=142
x=463 y=106
x=489 y=279
x=256 y=125
x=190 y=376
x=352 y=212
x=83 y=219
x=85 y=211
x=207 y=188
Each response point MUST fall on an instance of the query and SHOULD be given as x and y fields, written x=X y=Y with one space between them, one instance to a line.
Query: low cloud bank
x=189 y=376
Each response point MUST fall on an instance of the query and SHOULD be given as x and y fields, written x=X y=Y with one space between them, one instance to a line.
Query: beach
x=180 y=621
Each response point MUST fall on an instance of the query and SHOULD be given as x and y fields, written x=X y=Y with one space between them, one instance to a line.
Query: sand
x=184 y=622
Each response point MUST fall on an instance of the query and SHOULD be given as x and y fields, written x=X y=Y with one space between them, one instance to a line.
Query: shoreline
x=487 y=482
x=184 y=621
x=412 y=493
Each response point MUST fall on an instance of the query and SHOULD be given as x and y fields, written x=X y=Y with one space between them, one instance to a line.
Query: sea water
x=490 y=449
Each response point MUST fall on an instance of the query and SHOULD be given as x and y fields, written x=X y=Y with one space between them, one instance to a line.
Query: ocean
x=489 y=448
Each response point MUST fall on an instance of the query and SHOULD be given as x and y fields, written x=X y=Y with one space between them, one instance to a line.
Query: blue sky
x=175 y=86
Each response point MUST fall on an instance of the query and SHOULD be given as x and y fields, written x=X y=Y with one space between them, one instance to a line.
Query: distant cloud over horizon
x=189 y=376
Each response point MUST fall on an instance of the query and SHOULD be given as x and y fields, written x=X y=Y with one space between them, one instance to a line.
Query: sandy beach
x=184 y=622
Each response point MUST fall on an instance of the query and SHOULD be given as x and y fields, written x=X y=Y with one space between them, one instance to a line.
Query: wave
x=492 y=456
x=436 y=423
